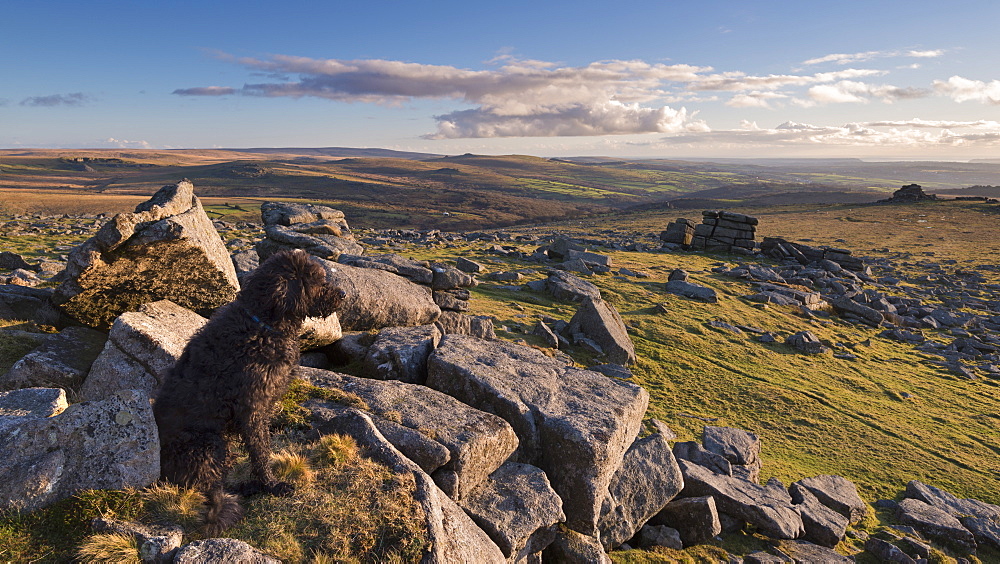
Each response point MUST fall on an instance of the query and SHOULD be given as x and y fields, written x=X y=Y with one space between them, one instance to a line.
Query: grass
x=815 y=415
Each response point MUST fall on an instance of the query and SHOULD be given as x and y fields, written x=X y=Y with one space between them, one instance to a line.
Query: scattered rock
x=695 y=518
x=935 y=523
x=61 y=361
x=806 y=342
x=601 y=322
x=692 y=291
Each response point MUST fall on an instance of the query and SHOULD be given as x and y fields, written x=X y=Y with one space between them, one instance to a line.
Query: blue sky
x=915 y=79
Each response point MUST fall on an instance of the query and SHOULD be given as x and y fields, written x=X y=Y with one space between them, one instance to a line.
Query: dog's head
x=291 y=285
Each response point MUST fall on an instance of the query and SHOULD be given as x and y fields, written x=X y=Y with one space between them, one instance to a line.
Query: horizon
x=886 y=82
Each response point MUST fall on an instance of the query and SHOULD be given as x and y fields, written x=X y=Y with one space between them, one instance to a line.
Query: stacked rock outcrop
x=319 y=230
x=723 y=231
x=908 y=194
x=680 y=232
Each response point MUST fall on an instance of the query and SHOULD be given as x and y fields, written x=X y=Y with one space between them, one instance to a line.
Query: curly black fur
x=230 y=377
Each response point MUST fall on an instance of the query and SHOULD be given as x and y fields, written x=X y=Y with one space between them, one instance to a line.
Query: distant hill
x=339 y=152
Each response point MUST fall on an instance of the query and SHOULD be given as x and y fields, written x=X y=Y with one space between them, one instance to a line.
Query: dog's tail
x=224 y=511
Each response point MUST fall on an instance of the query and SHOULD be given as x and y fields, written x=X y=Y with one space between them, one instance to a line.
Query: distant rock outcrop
x=907 y=194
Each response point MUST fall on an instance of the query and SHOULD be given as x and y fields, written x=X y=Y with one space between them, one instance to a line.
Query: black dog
x=230 y=376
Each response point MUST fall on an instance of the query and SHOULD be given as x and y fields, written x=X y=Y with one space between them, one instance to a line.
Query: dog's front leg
x=253 y=427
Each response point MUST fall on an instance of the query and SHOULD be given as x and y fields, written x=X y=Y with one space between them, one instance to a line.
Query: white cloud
x=848 y=91
x=735 y=81
x=847 y=58
x=124 y=143
x=963 y=90
x=594 y=119
x=755 y=99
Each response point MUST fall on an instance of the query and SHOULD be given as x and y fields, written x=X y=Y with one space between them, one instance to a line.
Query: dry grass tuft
x=115 y=548
x=355 y=510
x=169 y=503
x=335 y=450
x=291 y=466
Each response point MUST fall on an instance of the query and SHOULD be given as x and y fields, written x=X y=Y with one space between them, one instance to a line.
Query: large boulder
x=453 y=535
x=768 y=508
x=646 y=482
x=693 y=291
x=411 y=416
x=377 y=299
x=62 y=361
x=574 y=424
x=110 y=444
x=517 y=508
x=600 y=322
x=400 y=353
x=141 y=349
x=167 y=249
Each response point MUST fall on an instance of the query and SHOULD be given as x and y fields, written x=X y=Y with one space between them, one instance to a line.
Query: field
x=888 y=417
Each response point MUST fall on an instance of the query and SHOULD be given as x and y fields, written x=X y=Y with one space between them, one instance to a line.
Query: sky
x=672 y=79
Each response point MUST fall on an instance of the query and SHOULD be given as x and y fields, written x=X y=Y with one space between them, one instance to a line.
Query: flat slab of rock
x=954 y=505
x=21 y=303
x=62 y=361
x=110 y=444
x=418 y=271
x=517 y=508
x=479 y=326
x=837 y=493
x=221 y=551
x=823 y=525
x=936 y=523
x=476 y=443
x=646 y=482
x=801 y=552
x=574 y=424
x=377 y=299
x=692 y=291
x=565 y=286
x=36 y=403
x=141 y=349
x=167 y=249
x=320 y=230
x=762 y=506
x=601 y=323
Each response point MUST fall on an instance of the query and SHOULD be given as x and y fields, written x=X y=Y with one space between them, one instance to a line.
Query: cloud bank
x=528 y=98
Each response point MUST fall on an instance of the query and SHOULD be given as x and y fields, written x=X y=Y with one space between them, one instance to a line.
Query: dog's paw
x=280 y=489
x=251 y=488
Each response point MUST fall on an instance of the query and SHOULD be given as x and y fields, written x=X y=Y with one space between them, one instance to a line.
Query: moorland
x=889 y=415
